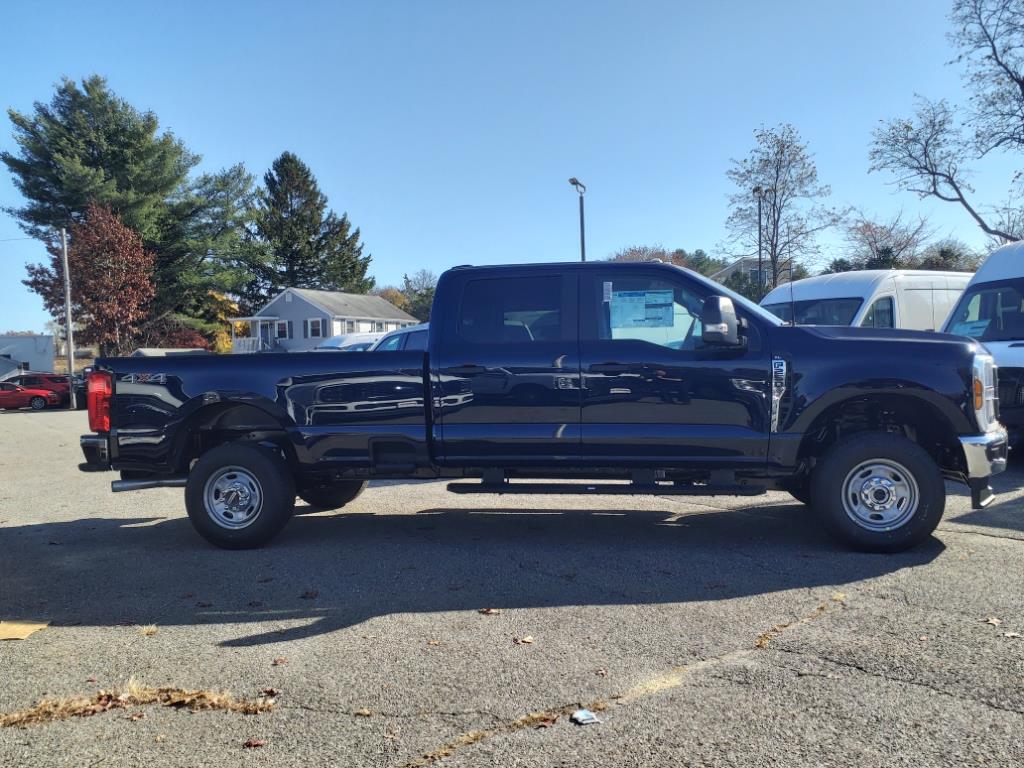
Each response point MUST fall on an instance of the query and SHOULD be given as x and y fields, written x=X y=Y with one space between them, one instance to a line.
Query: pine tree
x=309 y=245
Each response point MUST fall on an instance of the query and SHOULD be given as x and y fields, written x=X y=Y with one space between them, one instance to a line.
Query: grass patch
x=133 y=694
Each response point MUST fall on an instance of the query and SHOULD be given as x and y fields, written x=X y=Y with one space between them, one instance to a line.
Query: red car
x=54 y=382
x=15 y=396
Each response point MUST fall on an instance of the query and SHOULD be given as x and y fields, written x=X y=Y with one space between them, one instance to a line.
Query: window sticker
x=972 y=328
x=641 y=309
x=607 y=296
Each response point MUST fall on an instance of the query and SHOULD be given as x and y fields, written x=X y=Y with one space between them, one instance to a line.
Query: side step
x=612 y=489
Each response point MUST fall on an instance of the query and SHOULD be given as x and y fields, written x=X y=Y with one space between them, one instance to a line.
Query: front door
x=506 y=371
x=652 y=391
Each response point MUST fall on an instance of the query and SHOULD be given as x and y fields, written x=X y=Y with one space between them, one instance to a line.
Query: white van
x=992 y=311
x=879 y=298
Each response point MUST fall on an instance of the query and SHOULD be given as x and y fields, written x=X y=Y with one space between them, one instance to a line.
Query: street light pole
x=581 y=188
x=69 y=334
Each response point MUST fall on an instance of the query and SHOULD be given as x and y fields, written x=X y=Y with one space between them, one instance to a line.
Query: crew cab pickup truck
x=629 y=378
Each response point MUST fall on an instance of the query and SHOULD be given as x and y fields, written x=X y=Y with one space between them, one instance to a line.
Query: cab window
x=880 y=314
x=519 y=310
x=650 y=309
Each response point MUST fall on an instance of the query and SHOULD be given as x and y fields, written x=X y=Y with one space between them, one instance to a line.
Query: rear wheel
x=332 y=495
x=37 y=403
x=239 y=495
x=879 y=492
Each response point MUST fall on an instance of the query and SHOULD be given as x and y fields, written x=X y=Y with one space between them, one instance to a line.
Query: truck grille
x=1011 y=387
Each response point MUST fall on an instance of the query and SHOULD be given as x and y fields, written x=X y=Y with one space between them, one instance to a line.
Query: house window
x=378 y=326
x=282 y=329
x=316 y=328
x=350 y=326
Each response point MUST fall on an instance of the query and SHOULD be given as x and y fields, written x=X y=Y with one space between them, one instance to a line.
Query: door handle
x=610 y=367
x=466 y=370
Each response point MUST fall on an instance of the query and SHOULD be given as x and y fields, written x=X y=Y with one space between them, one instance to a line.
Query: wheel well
x=908 y=416
x=221 y=423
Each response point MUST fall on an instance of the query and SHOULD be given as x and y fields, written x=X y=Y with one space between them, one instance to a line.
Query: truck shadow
x=335 y=571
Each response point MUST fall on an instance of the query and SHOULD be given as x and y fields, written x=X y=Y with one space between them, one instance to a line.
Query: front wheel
x=37 y=403
x=333 y=495
x=239 y=496
x=879 y=492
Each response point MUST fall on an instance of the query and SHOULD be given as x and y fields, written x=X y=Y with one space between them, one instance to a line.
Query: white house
x=26 y=353
x=298 y=319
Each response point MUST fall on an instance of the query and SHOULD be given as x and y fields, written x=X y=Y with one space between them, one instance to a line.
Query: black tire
x=333 y=495
x=37 y=403
x=894 y=468
x=254 y=474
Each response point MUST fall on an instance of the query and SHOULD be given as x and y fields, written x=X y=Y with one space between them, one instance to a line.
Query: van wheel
x=879 y=492
x=239 y=496
x=332 y=495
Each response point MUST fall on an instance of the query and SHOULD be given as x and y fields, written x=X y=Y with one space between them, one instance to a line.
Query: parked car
x=413 y=337
x=16 y=396
x=991 y=311
x=349 y=342
x=877 y=298
x=597 y=371
x=52 y=382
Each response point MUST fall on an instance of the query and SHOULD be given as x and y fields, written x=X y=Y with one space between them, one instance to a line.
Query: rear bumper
x=96 y=449
x=984 y=455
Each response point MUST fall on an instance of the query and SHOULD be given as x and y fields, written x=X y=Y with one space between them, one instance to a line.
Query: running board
x=610 y=489
x=120 y=486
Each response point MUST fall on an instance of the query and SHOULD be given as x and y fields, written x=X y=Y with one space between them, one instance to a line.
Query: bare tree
x=930 y=153
x=883 y=244
x=791 y=216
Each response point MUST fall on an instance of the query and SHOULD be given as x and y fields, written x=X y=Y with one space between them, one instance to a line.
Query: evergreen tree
x=309 y=246
x=89 y=146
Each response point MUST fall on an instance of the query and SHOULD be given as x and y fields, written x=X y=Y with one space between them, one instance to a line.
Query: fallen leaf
x=90 y=679
x=254 y=743
x=364 y=712
x=160 y=738
x=433 y=642
x=923 y=638
x=136 y=716
x=601 y=672
x=19 y=630
x=993 y=621
x=527 y=640
x=545 y=721
x=279 y=662
x=838 y=597
x=490 y=611
x=272 y=692
x=148 y=631
x=1011 y=634
x=310 y=594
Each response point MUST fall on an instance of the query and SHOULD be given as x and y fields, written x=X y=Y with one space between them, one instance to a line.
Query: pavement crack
x=961 y=532
x=367 y=713
x=896 y=680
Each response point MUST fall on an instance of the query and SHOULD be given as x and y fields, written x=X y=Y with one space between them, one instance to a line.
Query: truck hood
x=848 y=333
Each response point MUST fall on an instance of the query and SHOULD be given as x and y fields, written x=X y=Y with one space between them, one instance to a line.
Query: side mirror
x=721 y=328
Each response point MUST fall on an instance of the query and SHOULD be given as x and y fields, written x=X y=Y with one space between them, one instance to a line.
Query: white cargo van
x=992 y=311
x=879 y=298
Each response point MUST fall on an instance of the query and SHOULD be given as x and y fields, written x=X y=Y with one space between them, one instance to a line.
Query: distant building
x=299 y=319
x=25 y=353
x=747 y=265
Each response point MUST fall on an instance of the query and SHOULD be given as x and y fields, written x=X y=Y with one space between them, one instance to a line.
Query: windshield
x=818 y=311
x=743 y=301
x=990 y=311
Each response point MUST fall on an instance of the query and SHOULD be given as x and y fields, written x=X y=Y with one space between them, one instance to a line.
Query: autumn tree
x=393 y=295
x=885 y=244
x=930 y=153
x=111 y=280
x=419 y=290
x=792 y=214
x=308 y=245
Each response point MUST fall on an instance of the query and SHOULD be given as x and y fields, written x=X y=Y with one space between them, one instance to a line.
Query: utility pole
x=582 y=189
x=69 y=334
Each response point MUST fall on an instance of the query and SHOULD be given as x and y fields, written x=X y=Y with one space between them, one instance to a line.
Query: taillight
x=100 y=388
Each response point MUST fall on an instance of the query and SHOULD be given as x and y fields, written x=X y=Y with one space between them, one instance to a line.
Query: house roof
x=353 y=305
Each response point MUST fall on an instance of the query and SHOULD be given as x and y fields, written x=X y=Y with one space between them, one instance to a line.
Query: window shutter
x=289 y=329
x=305 y=329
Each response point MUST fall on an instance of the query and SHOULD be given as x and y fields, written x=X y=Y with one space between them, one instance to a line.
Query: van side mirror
x=721 y=328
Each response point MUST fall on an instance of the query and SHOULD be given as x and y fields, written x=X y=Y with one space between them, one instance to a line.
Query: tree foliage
x=419 y=290
x=697 y=260
x=395 y=296
x=782 y=168
x=885 y=244
x=930 y=153
x=111 y=281
x=308 y=246
x=89 y=146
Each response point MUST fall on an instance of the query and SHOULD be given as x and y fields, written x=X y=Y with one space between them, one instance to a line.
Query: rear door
x=506 y=370
x=651 y=390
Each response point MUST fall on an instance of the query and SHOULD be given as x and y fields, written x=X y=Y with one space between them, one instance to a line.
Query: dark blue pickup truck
x=639 y=378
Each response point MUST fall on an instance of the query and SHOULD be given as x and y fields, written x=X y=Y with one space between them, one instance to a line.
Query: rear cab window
x=514 y=310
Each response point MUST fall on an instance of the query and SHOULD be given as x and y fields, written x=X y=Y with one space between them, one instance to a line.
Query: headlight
x=983 y=391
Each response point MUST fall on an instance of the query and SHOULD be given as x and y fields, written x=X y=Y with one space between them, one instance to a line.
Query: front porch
x=262 y=335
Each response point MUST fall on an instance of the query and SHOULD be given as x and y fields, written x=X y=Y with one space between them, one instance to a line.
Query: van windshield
x=990 y=311
x=818 y=311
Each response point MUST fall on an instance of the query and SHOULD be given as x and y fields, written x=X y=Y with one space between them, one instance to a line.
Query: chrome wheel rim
x=880 y=495
x=234 y=498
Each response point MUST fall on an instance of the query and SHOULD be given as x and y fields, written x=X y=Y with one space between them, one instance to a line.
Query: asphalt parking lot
x=703 y=631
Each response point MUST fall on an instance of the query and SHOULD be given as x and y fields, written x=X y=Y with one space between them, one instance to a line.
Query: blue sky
x=447 y=130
